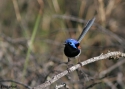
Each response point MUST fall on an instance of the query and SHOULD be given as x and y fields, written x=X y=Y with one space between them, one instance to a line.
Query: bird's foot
x=67 y=61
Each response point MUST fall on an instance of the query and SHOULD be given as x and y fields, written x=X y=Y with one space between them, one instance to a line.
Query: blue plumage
x=72 y=46
x=72 y=42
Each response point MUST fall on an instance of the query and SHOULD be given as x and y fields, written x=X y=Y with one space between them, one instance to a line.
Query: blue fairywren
x=72 y=46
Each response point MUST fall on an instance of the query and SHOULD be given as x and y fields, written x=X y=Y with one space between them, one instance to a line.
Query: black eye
x=77 y=45
x=70 y=43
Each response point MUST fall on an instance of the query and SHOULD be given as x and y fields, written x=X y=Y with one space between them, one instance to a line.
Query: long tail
x=85 y=29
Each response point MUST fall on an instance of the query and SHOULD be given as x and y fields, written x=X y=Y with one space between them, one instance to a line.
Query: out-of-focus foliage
x=17 y=20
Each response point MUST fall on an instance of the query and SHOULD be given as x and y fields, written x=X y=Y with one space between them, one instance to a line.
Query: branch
x=111 y=68
x=115 y=54
x=28 y=87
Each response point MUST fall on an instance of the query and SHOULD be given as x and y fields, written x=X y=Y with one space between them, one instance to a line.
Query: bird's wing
x=85 y=29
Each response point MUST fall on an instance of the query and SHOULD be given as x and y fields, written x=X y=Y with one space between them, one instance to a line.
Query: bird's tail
x=85 y=29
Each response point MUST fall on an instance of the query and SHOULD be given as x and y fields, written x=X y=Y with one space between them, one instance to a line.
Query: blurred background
x=32 y=33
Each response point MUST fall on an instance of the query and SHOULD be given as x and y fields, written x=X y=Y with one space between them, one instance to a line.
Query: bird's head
x=73 y=43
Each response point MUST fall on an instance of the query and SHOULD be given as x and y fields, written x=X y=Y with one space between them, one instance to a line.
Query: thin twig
x=17 y=83
x=15 y=4
x=112 y=68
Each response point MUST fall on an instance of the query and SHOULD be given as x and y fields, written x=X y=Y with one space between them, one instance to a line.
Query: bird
x=72 y=46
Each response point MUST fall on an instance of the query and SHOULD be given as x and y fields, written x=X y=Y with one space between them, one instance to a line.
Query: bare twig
x=73 y=68
x=111 y=68
x=60 y=86
x=15 y=4
x=90 y=86
x=110 y=84
x=17 y=83
x=111 y=5
x=101 y=11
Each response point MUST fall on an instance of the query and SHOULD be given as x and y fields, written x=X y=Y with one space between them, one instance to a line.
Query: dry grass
x=17 y=23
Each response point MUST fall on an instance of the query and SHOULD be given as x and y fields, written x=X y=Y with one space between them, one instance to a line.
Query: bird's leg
x=68 y=59
x=78 y=60
x=68 y=63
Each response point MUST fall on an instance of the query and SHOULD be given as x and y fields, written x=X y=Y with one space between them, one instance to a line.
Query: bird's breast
x=70 y=51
